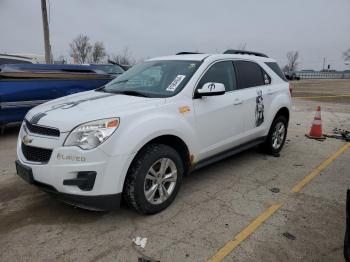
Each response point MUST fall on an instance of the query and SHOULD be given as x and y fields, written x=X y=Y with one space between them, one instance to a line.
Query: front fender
x=131 y=137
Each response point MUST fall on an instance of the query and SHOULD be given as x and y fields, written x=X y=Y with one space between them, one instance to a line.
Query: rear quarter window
x=274 y=67
x=249 y=74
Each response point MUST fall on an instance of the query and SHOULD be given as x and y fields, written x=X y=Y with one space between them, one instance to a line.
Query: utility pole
x=324 y=62
x=46 y=33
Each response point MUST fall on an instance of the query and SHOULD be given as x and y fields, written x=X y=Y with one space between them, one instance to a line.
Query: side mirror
x=211 y=89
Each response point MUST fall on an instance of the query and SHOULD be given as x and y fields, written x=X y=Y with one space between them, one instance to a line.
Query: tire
x=268 y=146
x=138 y=182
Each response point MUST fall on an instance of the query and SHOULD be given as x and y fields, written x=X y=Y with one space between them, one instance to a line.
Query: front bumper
x=62 y=175
x=100 y=203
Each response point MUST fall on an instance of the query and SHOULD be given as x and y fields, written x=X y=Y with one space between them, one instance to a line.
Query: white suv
x=137 y=136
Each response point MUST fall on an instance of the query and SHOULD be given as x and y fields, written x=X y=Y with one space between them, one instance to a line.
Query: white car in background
x=20 y=59
x=141 y=133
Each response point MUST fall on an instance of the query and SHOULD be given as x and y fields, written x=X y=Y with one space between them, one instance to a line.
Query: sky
x=315 y=28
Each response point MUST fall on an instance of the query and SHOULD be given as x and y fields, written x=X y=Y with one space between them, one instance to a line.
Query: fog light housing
x=85 y=180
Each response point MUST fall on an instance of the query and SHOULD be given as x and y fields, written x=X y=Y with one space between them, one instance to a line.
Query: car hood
x=68 y=112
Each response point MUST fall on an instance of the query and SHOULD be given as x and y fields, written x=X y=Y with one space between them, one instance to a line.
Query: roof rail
x=188 y=53
x=243 y=52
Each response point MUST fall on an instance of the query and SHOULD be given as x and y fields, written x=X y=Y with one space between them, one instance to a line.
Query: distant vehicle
x=328 y=70
x=16 y=59
x=307 y=70
x=111 y=69
x=291 y=76
x=23 y=86
x=125 y=67
x=138 y=135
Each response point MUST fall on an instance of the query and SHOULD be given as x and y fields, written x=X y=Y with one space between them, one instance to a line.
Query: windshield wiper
x=130 y=93
x=101 y=89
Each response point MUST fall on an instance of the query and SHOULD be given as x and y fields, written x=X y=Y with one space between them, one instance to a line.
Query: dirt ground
x=213 y=206
x=329 y=91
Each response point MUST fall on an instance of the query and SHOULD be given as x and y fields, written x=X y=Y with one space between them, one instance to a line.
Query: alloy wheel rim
x=278 y=135
x=160 y=181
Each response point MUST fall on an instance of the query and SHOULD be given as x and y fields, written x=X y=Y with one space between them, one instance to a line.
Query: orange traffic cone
x=316 y=128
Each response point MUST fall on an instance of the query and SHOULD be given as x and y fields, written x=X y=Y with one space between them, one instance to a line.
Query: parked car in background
x=291 y=76
x=16 y=59
x=139 y=134
x=23 y=86
x=111 y=69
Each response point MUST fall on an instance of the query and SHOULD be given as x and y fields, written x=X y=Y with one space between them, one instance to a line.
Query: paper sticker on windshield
x=176 y=82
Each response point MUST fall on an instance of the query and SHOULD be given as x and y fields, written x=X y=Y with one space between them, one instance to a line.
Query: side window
x=221 y=72
x=249 y=74
x=274 y=66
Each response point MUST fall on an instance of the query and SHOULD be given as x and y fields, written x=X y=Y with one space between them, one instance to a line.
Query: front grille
x=42 y=130
x=36 y=154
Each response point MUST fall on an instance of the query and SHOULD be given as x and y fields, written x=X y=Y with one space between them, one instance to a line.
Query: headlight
x=92 y=134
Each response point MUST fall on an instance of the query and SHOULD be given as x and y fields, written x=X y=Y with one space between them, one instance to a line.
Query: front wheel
x=154 y=179
x=277 y=136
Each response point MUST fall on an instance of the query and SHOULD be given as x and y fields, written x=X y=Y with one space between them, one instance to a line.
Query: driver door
x=219 y=119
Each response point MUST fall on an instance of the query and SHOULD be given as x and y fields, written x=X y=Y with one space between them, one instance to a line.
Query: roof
x=200 y=57
x=193 y=57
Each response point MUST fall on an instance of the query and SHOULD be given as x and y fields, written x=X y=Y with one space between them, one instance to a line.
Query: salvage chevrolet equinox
x=136 y=137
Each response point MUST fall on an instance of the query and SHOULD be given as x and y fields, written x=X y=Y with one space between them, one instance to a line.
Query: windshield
x=154 y=78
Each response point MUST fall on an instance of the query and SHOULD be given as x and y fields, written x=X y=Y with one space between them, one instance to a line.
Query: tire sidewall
x=147 y=161
x=277 y=120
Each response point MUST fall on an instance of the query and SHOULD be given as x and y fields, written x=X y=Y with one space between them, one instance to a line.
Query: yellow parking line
x=319 y=169
x=316 y=97
x=232 y=244
x=246 y=232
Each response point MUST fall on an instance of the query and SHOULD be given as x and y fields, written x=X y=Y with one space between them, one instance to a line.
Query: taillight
x=290 y=89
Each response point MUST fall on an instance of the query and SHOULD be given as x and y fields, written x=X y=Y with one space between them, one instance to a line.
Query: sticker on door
x=259 y=109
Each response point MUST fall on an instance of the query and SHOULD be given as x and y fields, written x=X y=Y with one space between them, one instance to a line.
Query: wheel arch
x=170 y=140
x=173 y=141
x=283 y=111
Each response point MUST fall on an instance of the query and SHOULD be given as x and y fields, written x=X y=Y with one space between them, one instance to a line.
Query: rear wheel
x=154 y=179
x=277 y=136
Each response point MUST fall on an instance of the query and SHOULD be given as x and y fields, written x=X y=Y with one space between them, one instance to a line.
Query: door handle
x=269 y=92
x=237 y=102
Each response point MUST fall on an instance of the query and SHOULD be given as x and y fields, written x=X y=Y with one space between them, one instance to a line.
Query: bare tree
x=125 y=58
x=98 y=52
x=80 y=49
x=242 y=46
x=292 y=58
x=285 y=68
x=346 y=55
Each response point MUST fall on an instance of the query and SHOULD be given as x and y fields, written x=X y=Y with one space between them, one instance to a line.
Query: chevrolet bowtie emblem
x=26 y=140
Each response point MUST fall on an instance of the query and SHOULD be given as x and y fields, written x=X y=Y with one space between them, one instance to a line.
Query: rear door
x=254 y=83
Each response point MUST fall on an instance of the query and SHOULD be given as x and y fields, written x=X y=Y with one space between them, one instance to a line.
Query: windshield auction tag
x=176 y=82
